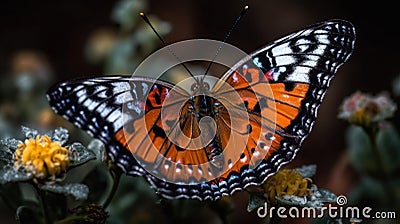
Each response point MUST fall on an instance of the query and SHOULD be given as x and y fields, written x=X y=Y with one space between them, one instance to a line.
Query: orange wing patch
x=149 y=141
x=287 y=102
x=151 y=147
x=270 y=106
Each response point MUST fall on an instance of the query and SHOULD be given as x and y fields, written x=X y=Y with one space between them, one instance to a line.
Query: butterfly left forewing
x=96 y=106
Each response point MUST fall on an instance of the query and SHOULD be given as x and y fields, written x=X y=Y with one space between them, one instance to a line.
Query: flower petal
x=80 y=154
x=307 y=171
x=29 y=132
x=60 y=135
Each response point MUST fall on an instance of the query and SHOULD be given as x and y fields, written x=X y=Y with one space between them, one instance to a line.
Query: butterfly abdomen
x=215 y=154
x=202 y=106
x=205 y=106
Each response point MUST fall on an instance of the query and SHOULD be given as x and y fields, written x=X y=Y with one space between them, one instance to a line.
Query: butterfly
x=269 y=127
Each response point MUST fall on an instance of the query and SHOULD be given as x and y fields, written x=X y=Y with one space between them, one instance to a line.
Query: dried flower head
x=363 y=109
x=91 y=213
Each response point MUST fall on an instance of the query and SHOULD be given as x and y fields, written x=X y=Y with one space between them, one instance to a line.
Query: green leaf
x=126 y=13
x=316 y=200
x=292 y=200
x=388 y=143
x=223 y=207
x=360 y=151
x=396 y=86
x=96 y=180
x=57 y=205
x=256 y=201
x=9 y=174
x=369 y=191
x=321 y=197
x=78 y=191
x=307 y=171
x=80 y=155
x=326 y=196
x=98 y=148
x=11 y=195
x=122 y=55
x=334 y=221
x=26 y=214
x=6 y=156
x=395 y=185
x=10 y=143
x=355 y=220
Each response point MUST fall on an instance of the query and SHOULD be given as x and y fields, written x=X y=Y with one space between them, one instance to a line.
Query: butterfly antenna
x=226 y=38
x=146 y=19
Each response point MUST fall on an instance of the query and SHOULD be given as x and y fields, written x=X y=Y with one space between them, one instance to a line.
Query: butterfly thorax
x=202 y=103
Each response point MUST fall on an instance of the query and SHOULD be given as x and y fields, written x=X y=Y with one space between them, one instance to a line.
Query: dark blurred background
x=60 y=31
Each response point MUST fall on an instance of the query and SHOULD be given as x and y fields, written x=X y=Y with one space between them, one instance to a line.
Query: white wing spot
x=235 y=78
x=145 y=88
x=257 y=62
x=244 y=159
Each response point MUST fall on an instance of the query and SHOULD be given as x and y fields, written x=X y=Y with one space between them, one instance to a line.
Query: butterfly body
x=201 y=101
x=206 y=106
x=212 y=140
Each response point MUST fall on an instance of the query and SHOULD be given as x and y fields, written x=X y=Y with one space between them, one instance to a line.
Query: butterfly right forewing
x=297 y=69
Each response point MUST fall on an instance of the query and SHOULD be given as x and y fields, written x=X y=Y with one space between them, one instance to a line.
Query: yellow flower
x=42 y=157
x=286 y=182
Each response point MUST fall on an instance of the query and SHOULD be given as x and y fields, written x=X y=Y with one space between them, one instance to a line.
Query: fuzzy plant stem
x=43 y=203
x=116 y=177
x=372 y=132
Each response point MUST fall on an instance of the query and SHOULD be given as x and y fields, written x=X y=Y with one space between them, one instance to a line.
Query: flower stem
x=116 y=176
x=372 y=132
x=43 y=203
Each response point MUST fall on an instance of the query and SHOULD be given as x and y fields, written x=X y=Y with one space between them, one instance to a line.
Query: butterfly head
x=200 y=87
